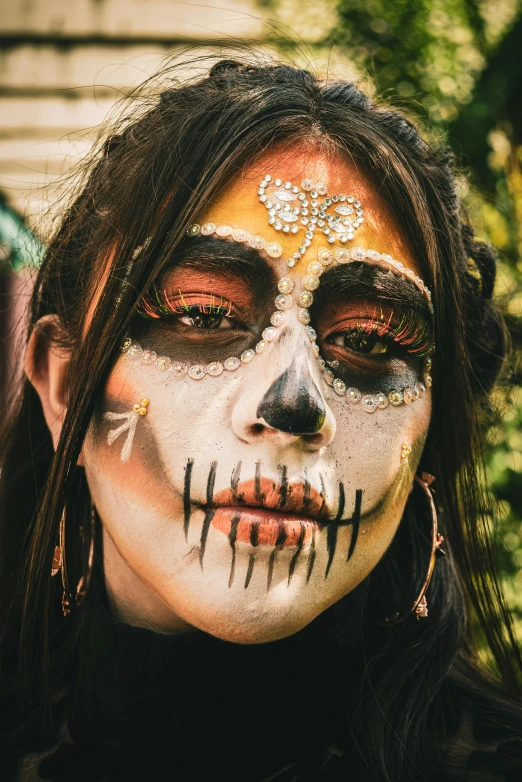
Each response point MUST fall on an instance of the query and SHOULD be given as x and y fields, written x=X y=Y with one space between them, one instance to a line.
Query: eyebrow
x=360 y=279
x=221 y=255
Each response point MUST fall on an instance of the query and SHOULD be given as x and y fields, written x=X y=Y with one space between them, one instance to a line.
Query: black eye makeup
x=212 y=301
x=373 y=328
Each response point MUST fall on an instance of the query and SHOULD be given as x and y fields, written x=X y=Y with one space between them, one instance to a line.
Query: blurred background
x=453 y=66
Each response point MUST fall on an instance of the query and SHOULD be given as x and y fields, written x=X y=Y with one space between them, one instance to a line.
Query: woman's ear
x=46 y=366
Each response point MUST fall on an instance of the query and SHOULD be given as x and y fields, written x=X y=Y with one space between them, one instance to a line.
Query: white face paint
x=248 y=501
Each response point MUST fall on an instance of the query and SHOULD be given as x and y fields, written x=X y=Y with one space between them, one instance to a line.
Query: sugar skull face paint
x=259 y=495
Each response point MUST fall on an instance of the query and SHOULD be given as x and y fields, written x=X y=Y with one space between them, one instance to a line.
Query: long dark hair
x=155 y=176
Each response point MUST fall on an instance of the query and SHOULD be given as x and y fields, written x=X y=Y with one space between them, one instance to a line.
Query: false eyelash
x=405 y=329
x=156 y=304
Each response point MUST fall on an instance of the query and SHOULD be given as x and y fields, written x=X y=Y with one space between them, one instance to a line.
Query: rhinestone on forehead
x=307 y=208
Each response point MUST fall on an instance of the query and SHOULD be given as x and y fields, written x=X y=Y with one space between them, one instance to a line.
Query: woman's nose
x=291 y=408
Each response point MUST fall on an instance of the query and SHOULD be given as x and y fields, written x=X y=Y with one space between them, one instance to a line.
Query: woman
x=224 y=450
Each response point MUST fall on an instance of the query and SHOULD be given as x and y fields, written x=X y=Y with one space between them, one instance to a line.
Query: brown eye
x=203 y=320
x=361 y=343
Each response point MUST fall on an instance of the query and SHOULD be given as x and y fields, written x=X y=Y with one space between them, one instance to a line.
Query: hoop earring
x=59 y=564
x=420 y=605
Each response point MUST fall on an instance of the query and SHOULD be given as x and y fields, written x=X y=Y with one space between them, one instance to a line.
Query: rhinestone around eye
x=261 y=346
x=269 y=334
x=283 y=301
x=215 y=368
x=408 y=395
x=353 y=395
x=373 y=254
x=420 y=389
x=179 y=369
x=274 y=250
x=369 y=403
x=311 y=333
x=257 y=242
x=382 y=401
x=315 y=268
x=148 y=357
x=224 y=230
x=325 y=256
x=247 y=356
x=163 y=363
x=395 y=398
x=231 y=363
x=135 y=351
x=342 y=255
x=194 y=230
x=197 y=371
x=339 y=386
x=358 y=254
x=285 y=285
x=303 y=315
x=310 y=282
x=329 y=376
x=277 y=318
x=208 y=228
x=305 y=299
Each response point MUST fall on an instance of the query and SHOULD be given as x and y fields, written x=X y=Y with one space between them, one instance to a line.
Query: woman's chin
x=248 y=619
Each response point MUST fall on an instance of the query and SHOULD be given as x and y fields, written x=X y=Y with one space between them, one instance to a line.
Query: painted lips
x=268 y=514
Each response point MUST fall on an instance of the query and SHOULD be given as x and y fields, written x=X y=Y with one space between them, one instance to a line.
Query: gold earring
x=420 y=605
x=59 y=564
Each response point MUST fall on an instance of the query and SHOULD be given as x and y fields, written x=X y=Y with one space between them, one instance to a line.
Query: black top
x=191 y=707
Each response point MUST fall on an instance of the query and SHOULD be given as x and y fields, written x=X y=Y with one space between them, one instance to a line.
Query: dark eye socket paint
x=373 y=326
x=213 y=300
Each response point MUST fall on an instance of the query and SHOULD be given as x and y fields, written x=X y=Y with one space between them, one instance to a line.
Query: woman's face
x=246 y=503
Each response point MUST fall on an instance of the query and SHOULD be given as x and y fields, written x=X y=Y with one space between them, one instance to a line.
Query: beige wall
x=63 y=64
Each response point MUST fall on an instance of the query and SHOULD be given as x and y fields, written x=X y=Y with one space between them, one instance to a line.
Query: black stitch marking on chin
x=234 y=483
x=355 y=521
x=331 y=543
x=323 y=493
x=257 y=485
x=283 y=487
x=209 y=514
x=187 y=507
x=333 y=528
x=293 y=561
x=281 y=537
x=250 y=569
x=306 y=491
x=340 y=507
x=254 y=534
x=311 y=558
x=232 y=535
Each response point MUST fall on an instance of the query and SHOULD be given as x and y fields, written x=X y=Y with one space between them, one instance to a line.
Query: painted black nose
x=293 y=403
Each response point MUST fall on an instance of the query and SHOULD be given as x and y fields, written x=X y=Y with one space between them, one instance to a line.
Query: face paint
x=160 y=303
x=258 y=496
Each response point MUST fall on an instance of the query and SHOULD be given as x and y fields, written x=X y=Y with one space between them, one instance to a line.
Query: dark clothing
x=191 y=707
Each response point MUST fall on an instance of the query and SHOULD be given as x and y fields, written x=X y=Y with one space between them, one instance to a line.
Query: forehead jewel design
x=309 y=210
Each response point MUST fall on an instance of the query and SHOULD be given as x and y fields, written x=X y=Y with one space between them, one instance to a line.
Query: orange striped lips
x=263 y=513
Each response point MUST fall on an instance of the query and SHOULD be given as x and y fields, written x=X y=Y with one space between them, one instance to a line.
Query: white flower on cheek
x=130 y=423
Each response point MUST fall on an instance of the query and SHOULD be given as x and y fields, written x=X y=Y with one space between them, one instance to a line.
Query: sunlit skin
x=155 y=573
